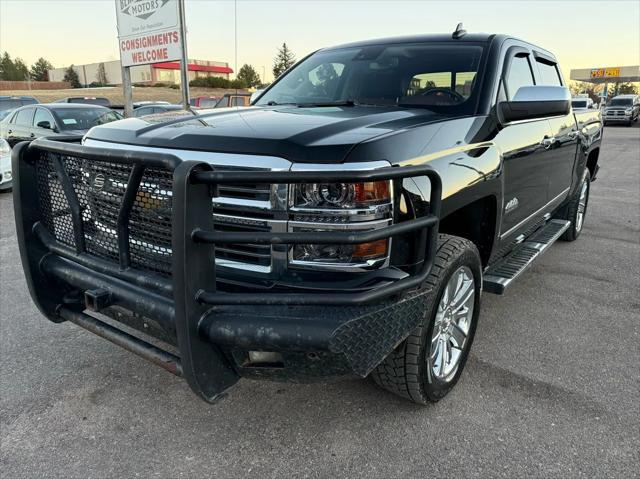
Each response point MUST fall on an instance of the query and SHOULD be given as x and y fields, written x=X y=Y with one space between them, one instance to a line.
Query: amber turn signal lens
x=372 y=192
x=375 y=249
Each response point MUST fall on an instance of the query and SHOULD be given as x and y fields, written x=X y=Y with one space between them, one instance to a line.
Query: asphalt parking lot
x=552 y=387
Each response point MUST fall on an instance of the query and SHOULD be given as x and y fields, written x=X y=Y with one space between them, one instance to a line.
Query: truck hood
x=314 y=135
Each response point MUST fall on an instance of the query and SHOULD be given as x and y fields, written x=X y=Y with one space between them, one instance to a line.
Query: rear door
x=561 y=153
x=20 y=127
x=522 y=144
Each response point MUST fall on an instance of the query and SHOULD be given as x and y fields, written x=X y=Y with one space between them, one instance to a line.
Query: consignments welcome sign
x=148 y=31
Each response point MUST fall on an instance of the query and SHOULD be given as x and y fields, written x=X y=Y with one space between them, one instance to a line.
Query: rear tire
x=422 y=368
x=576 y=210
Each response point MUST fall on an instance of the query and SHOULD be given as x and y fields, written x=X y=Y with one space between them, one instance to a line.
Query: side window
x=519 y=75
x=24 y=117
x=548 y=73
x=43 y=115
x=238 y=101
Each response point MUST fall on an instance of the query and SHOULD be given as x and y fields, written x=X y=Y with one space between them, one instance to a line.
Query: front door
x=524 y=146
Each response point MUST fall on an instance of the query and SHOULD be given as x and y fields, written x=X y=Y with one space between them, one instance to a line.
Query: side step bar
x=499 y=276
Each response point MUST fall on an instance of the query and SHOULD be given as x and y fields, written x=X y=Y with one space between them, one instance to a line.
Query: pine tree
x=7 y=69
x=101 y=75
x=40 y=70
x=283 y=60
x=21 y=70
x=249 y=76
x=72 y=77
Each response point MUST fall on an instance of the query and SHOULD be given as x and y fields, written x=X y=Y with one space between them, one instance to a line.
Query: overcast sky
x=582 y=33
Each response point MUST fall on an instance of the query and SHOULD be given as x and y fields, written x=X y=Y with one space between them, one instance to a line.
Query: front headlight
x=5 y=149
x=321 y=207
x=342 y=195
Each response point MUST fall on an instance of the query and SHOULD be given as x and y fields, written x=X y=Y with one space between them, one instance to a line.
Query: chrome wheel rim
x=452 y=324
x=582 y=206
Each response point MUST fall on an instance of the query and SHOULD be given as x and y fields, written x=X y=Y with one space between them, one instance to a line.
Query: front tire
x=427 y=365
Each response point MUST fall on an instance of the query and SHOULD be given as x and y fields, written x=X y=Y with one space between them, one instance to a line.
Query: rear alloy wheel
x=428 y=364
x=576 y=210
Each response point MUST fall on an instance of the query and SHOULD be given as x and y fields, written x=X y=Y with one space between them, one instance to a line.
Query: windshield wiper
x=328 y=103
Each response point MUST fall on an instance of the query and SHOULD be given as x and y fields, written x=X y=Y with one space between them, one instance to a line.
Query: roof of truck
x=436 y=38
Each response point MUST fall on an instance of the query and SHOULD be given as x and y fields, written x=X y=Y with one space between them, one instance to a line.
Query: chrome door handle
x=573 y=134
x=548 y=141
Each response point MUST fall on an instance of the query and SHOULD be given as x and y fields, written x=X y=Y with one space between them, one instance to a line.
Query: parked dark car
x=345 y=224
x=145 y=110
x=50 y=119
x=10 y=103
x=88 y=100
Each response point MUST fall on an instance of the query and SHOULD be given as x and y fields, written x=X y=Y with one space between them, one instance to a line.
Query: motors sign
x=148 y=31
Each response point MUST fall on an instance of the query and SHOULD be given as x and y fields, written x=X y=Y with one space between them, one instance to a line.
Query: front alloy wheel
x=428 y=364
x=452 y=324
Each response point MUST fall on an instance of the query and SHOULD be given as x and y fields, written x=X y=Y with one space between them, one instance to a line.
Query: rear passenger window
x=24 y=117
x=237 y=101
x=519 y=75
x=548 y=74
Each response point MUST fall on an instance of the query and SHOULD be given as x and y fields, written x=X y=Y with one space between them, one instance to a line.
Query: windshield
x=579 y=104
x=84 y=118
x=438 y=77
x=621 y=102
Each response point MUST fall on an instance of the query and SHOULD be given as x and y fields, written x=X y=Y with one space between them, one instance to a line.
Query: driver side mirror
x=536 y=101
x=45 y=124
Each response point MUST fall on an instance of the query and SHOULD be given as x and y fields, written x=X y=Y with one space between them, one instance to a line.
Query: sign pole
x=127 y=91
x=184 y=63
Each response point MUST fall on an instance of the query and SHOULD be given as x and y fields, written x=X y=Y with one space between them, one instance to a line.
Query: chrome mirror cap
x=542 y=93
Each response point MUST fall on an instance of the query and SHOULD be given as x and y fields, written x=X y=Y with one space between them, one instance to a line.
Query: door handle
x=548 y=141
x=10 y=131
x=573 y=134
x=32 y=135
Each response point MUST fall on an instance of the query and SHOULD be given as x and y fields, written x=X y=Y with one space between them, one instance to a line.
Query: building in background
x=166 y=72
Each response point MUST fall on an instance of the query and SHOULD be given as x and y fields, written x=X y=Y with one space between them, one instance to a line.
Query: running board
x=499 y=276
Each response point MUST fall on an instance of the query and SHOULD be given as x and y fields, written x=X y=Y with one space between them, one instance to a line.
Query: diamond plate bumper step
x=499 y=276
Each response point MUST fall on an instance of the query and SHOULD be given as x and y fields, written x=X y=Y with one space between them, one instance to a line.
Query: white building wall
x=139 y=74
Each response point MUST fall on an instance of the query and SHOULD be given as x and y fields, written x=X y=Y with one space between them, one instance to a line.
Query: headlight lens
x=341 y=195
x=5 y=149
x=339 y=254
x=344 y=206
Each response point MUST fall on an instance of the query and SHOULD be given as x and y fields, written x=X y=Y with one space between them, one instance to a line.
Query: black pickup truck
x=343 y=225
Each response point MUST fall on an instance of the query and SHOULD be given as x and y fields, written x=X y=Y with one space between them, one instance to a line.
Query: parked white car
x=6 y=178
